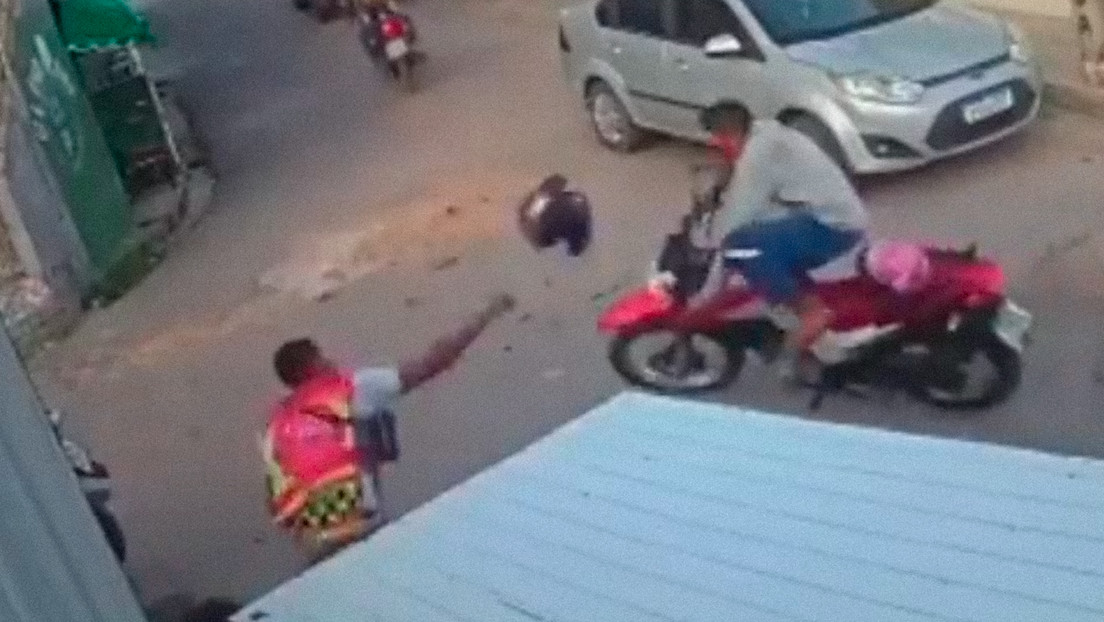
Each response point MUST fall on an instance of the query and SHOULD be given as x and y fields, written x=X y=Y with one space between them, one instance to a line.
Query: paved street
x=327 y=171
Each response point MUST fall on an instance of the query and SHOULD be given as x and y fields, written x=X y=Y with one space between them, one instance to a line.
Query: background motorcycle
x=956 y=344
x=389 y=36
x=95 y=483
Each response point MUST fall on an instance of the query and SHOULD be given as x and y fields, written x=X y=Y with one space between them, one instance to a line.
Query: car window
x=641 y=16
x=697 y=21
x=795 y=21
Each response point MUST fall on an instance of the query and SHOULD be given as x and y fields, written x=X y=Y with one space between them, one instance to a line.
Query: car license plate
x=1012 y=324
x=988 y=106
x=396 y=49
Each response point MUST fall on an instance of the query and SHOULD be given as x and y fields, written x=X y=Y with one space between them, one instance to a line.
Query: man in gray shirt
x=790 y=210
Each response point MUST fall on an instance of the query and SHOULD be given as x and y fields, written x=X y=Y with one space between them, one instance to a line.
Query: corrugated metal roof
x=652 y=509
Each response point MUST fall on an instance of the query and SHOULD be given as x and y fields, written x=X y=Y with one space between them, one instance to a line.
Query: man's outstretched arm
x=445 y=351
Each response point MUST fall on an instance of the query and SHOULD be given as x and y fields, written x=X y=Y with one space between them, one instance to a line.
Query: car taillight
x=393 y=28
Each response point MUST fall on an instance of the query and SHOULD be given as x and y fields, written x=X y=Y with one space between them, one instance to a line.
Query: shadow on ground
x=185 y=608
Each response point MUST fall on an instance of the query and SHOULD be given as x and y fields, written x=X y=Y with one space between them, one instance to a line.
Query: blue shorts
x=776 y=256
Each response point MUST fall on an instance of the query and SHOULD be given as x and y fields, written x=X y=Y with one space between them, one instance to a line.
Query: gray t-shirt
x=781 y=169
x=375 y=389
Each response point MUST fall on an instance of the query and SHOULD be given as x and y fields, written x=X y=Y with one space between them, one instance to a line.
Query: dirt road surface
x=372 y=220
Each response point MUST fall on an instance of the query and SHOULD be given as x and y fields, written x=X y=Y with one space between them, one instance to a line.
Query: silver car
x=880 y=85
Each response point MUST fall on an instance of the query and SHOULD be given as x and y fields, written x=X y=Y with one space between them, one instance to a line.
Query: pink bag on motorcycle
x=902 y=266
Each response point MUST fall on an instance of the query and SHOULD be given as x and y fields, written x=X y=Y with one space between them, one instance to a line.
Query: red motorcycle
x=956 y=342
x=389 y=36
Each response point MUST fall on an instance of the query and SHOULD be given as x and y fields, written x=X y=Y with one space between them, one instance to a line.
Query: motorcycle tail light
x=393 y=28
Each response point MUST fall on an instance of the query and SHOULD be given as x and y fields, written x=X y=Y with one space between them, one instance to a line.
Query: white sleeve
x=375 y=389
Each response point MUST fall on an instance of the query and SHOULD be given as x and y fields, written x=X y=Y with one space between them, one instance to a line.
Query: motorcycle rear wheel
x=659 y=373
x=1006 y=365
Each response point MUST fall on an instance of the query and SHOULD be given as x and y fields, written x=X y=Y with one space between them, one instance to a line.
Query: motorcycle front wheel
x=971 y=373
x=675 y=363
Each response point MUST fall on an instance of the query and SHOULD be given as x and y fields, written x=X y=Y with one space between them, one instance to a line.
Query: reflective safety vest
x=310 y=451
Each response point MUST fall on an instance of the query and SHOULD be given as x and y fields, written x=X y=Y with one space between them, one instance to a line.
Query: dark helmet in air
x=552 y=214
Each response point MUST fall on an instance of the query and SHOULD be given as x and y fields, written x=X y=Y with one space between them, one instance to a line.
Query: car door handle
x=682 y=64
x=616 y=49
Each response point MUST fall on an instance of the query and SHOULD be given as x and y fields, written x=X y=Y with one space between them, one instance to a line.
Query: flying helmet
x=552 y=214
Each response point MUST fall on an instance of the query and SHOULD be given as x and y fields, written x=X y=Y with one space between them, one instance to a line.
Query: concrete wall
x=1056 y=8
x=55 y=564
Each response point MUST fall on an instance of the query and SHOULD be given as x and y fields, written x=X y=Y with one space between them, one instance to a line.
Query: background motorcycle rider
x=371 y=12
x=791 y=210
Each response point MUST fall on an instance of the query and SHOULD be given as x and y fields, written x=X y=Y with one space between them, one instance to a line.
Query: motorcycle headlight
x=882 y=89
x=1017 y=45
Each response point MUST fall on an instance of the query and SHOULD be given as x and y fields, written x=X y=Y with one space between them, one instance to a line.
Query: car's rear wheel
x=820 y=134
x=613 y=125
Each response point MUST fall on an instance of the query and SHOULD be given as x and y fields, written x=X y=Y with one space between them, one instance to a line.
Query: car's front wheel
x=613 y=125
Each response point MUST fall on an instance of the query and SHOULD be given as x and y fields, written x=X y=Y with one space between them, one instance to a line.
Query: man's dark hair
x=726 y=114
x=294 y=359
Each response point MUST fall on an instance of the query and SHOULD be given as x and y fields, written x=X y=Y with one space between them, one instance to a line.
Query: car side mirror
x=722 y=46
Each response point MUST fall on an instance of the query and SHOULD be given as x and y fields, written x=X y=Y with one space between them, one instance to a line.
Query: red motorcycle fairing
x=638 y=311
x=651 y=308
x=957 y=283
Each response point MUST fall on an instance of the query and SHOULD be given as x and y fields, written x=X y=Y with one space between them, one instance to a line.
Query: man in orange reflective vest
x=321 y=479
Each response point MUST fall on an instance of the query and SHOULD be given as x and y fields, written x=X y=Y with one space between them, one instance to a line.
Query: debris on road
x=1072 y=266
x=451 y=217
x=446 y=263
x=33 y=314
x=448 y=218
x=553 y=374
x=616 y=287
